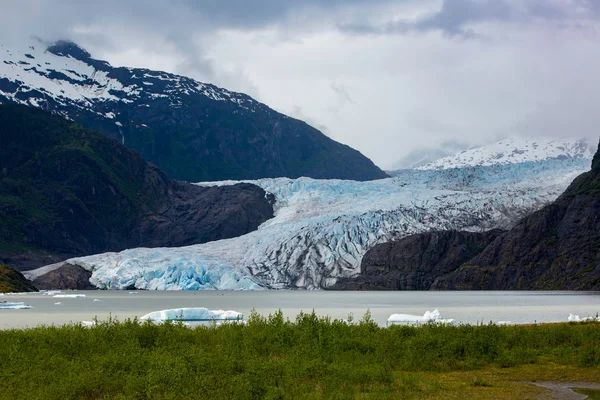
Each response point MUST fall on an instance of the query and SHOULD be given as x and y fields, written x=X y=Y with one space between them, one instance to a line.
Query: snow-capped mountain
x=515 y=150
x=322 y=228
x=191 y=130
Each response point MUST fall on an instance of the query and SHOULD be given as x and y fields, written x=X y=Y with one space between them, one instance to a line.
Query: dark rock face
x=65 y=277
x=413 y=262
x=12 y=281
x=192 y=131
x=66 y=192
x=557 y=247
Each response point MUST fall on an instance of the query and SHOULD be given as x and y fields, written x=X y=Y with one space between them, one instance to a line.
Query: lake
x=473 y=307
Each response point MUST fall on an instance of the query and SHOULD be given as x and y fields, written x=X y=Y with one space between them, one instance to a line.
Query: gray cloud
x=455 y=16
x=386 y=77
x=343 y=93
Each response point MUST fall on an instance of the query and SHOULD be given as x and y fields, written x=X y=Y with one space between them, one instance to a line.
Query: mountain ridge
x=193 y=131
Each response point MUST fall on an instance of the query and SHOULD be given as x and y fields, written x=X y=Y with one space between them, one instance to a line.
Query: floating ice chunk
x=58 y=303
x=69 y=296
x=97 y=300
x=504 y=323
x=4 y=305
x=133 y=292
x=429 y=316
x=53 y=292
x=192 y=314
x=88 y=324
x=576 y=318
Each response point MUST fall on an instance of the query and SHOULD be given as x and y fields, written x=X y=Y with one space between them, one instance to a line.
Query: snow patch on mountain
x=515 y=150
x=66 y=74
x=322 y=228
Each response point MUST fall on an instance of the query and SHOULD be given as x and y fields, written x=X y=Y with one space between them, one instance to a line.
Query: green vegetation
x=593 y=394
x=12 y=281
x=55 y=175
x=274 y=358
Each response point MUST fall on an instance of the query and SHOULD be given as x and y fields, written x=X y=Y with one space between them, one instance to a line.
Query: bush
x=270 y=357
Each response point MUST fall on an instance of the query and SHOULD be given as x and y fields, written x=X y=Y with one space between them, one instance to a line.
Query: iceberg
x=576 y=318
x=88 y=324
x=429 y=317
x=192 y=314
x=53 y=292
x=69 y=296
x=4 y=305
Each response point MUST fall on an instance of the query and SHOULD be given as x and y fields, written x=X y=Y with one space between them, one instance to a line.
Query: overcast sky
x=385 y=77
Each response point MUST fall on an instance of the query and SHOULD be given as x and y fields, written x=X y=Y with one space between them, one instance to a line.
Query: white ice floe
x=58 y=303
x=96 y=300
x=576 y=318
x=88 y=324
x=52 y=292
x=4 y=305
x=133 y=292
x=504 y=323
x=69 y=296
x=429 y=317
x=192 y=314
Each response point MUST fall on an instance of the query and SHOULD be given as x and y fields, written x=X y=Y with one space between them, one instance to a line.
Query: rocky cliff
x=414 y=262
x=67 y=191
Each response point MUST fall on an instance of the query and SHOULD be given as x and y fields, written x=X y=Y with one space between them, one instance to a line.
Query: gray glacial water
x=464 y=307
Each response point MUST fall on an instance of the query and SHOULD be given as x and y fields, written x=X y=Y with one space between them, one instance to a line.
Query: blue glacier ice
x=5 y=305
x=192 y=314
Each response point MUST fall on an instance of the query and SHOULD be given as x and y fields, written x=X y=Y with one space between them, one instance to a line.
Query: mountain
x=12 y=281
x=192 y=131
x=514 y=151
x=67 y=191
x=557 y=247
x=322 y=228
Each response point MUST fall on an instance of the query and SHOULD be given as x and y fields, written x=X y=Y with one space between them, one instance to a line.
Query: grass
x=310 y=358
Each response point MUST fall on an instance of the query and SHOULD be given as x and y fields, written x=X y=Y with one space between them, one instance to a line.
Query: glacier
x=322 y=228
